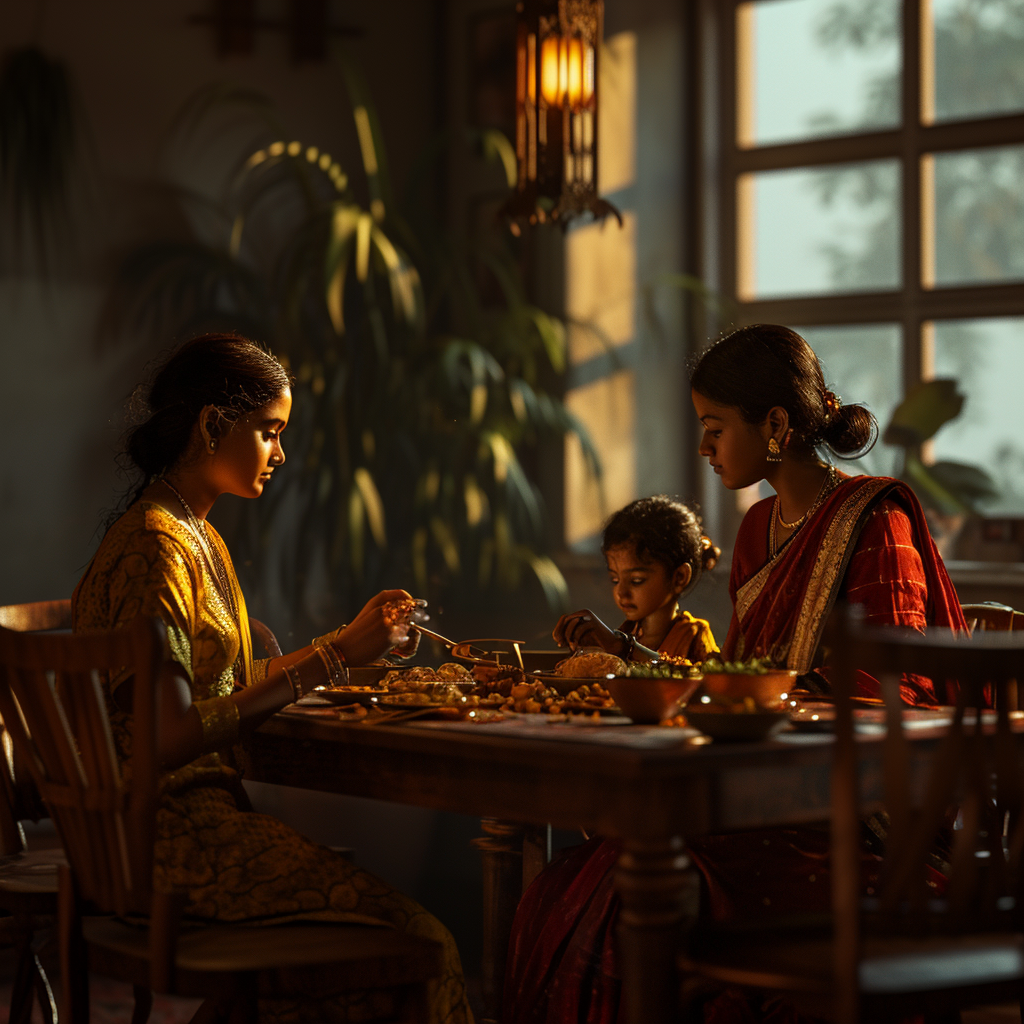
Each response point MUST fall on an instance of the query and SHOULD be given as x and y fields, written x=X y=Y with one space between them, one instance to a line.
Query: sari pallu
x=869 y=544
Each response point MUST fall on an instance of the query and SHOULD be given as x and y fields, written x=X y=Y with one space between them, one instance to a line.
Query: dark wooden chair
x=908 y=949
x=51 y=697
x=28 y=879
x=990 y=615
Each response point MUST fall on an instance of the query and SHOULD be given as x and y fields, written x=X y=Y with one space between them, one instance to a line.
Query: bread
x=591 y=665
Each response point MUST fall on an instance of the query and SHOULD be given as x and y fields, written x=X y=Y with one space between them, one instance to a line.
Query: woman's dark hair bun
x=852 y=431
x=664 y=531
x=758 y=368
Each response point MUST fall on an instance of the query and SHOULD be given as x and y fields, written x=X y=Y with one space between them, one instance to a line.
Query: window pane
x=978 y=213
x=987 y=358
x=808 y=68
x=862 y=364
x=978 y=48
x=819 y=229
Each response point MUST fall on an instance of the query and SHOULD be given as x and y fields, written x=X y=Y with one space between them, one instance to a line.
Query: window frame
x=914 y=304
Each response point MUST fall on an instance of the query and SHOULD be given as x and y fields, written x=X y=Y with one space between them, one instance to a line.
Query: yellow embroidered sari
x=237 y=866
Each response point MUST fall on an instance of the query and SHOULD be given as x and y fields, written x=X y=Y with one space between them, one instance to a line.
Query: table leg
x=660 y=894
x=501 y=849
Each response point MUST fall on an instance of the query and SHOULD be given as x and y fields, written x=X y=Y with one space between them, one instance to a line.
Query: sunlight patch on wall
x=616 y=117
x=607 y=408
x=600 y=287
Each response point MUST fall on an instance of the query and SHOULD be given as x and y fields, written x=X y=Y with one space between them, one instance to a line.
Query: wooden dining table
x=650 y=787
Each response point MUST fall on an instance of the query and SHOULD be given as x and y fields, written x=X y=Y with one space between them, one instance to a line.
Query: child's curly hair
x=664 y=531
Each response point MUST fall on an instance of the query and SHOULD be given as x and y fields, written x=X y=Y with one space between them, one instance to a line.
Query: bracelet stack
x=291 y=673
x=334 y=661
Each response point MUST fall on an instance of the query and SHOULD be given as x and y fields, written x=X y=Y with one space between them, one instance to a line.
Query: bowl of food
x=742 y=722
x=652 y=699
x=727 y=682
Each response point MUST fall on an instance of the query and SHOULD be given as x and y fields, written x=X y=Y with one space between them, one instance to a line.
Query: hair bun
x=709 y=553
x=851 y=431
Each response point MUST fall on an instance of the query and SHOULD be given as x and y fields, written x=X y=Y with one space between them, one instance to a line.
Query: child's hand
x=585 y=629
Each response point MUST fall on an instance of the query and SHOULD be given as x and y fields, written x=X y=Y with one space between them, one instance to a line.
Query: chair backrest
x=36 y=616
x=265 y=635
x=52 y=700
x=989 y=615
x=976 y=765
x=18 y=796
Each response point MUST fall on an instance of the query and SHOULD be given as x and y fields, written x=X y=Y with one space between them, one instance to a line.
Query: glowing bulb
x=574 y=73
x=588 y=74
x=549 y=71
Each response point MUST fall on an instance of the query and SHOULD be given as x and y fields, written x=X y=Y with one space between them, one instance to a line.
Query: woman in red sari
x=767 y=414
x=824 y=536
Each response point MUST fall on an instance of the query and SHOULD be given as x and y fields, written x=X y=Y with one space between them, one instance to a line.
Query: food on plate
x=536 y=697
x=666 y=667
x=752 y=667
x=496 y=680
x=399 y=611
x=425 y=680
x=591 y=665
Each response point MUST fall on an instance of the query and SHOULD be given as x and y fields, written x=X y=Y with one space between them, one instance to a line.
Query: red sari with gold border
x=869 y=544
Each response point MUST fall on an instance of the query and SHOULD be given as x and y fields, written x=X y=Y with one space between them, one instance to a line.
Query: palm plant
x=415 y=399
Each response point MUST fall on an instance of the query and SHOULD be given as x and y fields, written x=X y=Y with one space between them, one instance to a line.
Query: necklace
x=209 y=549
x=827 y=486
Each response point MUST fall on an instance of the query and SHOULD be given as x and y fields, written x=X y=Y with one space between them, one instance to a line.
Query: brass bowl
x=737 y=726
x=649 y=701
x=768 y=691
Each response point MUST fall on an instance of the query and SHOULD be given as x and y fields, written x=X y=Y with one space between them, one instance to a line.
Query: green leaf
x=970 y=483
x=926 y=408
x=372 y=503
x=552 y=334
x=931 y=491
x=496 y=145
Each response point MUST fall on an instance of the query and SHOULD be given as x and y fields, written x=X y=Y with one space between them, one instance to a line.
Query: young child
x=562 y=962
x=655 y=551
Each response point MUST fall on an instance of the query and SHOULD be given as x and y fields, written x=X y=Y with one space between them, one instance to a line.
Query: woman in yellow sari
x=216 y=413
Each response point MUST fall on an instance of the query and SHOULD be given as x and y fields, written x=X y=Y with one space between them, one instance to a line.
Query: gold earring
x=774 y=451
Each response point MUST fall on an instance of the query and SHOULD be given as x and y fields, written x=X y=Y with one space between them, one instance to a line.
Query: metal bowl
x=649 y=701
x=736 y=726
x=768 y=691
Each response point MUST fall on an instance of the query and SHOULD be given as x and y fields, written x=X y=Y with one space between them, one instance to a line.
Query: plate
x=566 y=684
x=589 y=709
x=737 y=726
x=347 y=695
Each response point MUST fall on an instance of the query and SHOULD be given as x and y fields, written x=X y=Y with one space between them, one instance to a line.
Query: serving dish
x=737 y=726
x=767 y=689
x=651 y=700
x=348 y=695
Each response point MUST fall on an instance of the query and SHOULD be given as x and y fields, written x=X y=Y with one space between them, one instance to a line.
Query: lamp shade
x=558 y=44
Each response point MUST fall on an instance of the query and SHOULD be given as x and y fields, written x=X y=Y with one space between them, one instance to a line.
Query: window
x=868 y=164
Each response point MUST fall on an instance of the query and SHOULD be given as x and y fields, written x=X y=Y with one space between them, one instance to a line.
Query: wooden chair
x=28 y=879
x=50 y=694
x=990 y=615
x=905 y=950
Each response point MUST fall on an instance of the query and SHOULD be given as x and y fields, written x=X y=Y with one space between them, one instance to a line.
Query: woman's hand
x=585 y=629
x=381 y=625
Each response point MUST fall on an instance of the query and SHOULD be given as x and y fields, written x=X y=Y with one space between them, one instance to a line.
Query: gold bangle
x=338 y=663
x=328 y=638
x=337 y=674
x=220 y=721
x=291 y=673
